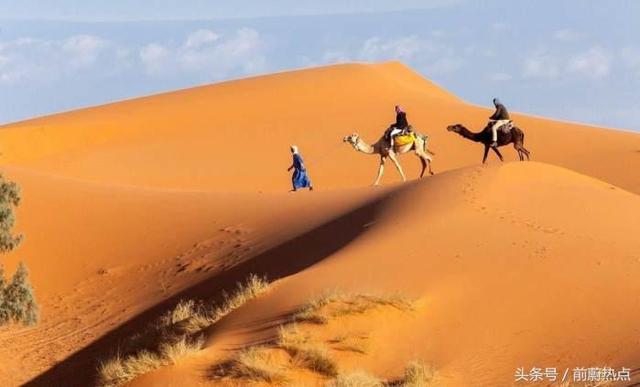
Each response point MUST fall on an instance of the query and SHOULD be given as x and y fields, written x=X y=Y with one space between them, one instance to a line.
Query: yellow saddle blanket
x=404 y=139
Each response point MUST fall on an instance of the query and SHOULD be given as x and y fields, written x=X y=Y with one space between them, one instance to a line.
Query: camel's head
x=351 y=139
x=454 y=128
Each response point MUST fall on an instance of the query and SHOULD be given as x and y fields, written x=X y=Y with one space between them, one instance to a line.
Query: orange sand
x=131 y=206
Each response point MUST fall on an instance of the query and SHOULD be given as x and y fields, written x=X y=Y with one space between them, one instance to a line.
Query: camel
x=515 y=136
x=383 y=149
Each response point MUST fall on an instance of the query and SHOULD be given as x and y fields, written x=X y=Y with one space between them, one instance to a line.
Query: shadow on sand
x=286 y=259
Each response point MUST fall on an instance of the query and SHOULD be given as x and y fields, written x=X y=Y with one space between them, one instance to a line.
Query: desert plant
x=5 y=316
x=355 y=379
x=335 y=304
x=254 y=364
x=305 y=352
x=9 y=198
x=417 y=374
x=18 y=302
x=170 y=338
x=119 y=370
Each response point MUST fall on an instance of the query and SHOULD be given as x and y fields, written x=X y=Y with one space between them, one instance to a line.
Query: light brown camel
x=515 y=136
x=383 y=149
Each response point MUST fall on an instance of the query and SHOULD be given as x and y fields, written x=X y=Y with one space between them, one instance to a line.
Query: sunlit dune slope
x=507 y=276
x=235 y=135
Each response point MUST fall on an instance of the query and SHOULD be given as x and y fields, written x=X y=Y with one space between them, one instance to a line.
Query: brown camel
x=383 y=149
x=515 y=136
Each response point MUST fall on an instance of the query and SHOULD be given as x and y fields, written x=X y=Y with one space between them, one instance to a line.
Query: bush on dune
x=254 y=364
x=17 y=300
x=308 y=351
x=322 y=309
x=9 y=199
x=356 y=379
x=175 y=335
x=417 y=374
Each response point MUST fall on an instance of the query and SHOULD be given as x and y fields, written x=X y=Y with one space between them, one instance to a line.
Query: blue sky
x=120 y=10
x=574 y=59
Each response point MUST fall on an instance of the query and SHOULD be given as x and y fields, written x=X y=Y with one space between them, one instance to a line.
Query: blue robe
x=300 y=179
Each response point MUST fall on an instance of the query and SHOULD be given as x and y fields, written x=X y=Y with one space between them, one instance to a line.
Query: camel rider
x=401 y=125
x=499 y=118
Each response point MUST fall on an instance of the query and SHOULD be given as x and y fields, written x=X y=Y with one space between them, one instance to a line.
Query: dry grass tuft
x=172 y=337
x=416 y=374
x=356 y=379
x=183 y=311
x=191 y=317
x=117 y=370
x=254 y=364
x=173 y=352
x=336 y=304
x=305 y=352
x=252 y=288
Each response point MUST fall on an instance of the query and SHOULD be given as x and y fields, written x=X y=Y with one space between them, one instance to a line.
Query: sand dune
x=235 y=135
x=130 y=207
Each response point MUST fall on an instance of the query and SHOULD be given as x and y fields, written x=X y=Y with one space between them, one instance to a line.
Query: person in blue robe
x=300 y=178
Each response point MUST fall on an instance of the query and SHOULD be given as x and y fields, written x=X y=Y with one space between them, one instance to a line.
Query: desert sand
x=128 y=208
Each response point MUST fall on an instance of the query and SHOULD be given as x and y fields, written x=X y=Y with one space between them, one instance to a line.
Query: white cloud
x=155 y=58
x=426 y=54
x=40 y=60
x=594 y=63
x=208 y=53
x=200 y=38
x=203 y=52
x=83 y=50
x=404 y=48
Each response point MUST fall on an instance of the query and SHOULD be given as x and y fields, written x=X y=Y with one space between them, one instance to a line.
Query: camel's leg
x=486 y=152
x=380 y=170
x=518 y=149
x=498 y=153
x=426 y=161
x=393 y=158
x=522 y=151
x=520 y=155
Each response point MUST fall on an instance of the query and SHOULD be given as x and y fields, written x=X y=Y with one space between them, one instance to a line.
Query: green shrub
x=17 y=301
x=5 y=316
x=9 y=198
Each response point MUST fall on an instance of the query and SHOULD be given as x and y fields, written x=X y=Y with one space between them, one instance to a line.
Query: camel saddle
x=404 y=139
x=506 y=128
